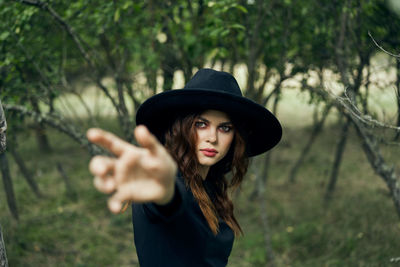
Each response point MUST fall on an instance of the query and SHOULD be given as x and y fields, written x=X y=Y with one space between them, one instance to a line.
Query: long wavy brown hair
x=180 y=141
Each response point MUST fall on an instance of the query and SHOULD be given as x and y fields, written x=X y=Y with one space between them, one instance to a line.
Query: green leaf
x=237 y=26
x=225 y=32
x=242 y=8
x=4 y=35
x=116 y=15
x=127 y=5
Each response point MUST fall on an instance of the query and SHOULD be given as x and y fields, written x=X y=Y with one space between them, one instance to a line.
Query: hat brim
x=262 y=127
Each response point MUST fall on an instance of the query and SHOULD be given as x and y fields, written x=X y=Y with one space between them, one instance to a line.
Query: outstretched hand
x=139 y=174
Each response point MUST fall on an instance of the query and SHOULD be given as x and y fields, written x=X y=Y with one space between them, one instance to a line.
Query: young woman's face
x=214 y=137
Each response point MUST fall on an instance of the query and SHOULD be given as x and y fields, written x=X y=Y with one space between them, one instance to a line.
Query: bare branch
x=58 y=123
x=365 y=119
x=381 y=48
x=346 y=105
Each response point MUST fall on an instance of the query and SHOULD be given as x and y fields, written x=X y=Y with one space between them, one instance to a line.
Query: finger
x=107 y=140
x=105 y=185
x=124 y=193
x=114 y=204
x=146 y=139
x=102 y=166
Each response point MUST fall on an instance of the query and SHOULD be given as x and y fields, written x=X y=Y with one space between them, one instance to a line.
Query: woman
x=189 y=138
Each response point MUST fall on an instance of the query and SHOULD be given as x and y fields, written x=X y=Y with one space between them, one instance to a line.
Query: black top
x=177 y=234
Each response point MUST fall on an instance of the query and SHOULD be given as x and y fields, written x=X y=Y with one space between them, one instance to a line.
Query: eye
x=200 y=124
x=226 y=128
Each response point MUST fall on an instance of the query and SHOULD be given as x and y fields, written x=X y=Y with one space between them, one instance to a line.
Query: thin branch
x=76 y=39
x=381 y=48
x=366 y=119
x=57 y=17
x=58 y=123
x=346 y=105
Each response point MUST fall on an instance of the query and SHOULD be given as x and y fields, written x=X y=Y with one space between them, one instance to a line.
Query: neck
x=204 y=171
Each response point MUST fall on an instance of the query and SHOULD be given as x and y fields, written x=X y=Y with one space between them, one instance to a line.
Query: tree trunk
x=8 y=186
x=3 y=129
x=375 y=158
x=25 y=172
x=259 y=191
x=40 y=130
x=3 y=254
x=261 y=177
x=316 y=130
x=270 y=257
x=398 y=98
x=168 y=74
x=366 y=94
x=338 y=159
x=71 y=193
x=258 y=194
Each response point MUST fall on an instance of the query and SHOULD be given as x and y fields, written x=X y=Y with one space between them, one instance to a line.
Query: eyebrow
x=222 y=123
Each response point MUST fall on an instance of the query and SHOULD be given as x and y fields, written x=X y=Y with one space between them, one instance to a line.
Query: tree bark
x=8 y=186
x=398 y=97
x=3 y=254
x=3 y=129
x=375 y=158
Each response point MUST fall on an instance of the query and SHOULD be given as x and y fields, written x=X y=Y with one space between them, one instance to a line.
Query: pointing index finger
x=146 y=139
x=107 y=140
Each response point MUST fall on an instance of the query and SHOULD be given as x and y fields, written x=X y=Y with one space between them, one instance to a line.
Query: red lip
x=209 y=152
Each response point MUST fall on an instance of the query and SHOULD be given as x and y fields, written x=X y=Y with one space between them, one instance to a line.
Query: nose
x=212 y=136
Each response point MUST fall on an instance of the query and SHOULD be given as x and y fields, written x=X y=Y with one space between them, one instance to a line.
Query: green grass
x=359 y=227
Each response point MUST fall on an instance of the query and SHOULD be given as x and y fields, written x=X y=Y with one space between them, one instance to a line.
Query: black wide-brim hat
x=211 y=89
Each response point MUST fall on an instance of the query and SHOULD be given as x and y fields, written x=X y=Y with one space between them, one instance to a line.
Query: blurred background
x=327 y=195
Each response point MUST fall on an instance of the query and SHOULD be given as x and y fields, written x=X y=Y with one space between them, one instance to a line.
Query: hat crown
x=213 y=80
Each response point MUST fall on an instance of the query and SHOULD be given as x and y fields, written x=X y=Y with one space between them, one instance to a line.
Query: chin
x=208 y=162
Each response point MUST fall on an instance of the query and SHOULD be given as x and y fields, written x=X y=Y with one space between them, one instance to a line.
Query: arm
x=139 y=174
